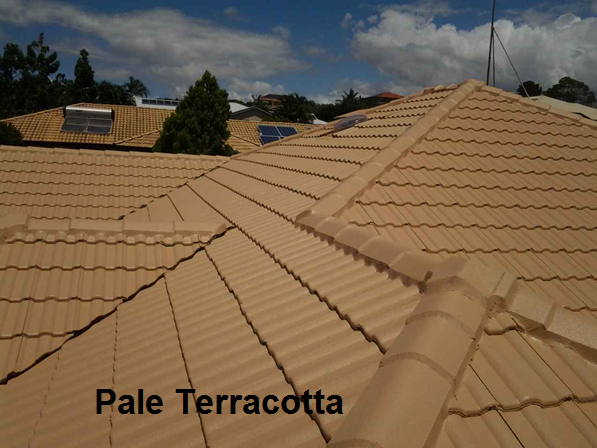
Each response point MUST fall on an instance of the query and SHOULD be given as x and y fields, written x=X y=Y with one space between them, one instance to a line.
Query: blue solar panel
x=285 y=131
x=271 y=131
x=265 y=139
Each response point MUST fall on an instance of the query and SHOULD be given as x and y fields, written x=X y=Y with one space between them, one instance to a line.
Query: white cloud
x=417 y=52
x=164 y=44
x=346 y=21
x=426 y=8
x=314 y=51
x=284 y=33
x=239 y=89
x=232 y=13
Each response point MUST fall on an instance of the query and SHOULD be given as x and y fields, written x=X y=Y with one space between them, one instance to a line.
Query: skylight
x=87 y=120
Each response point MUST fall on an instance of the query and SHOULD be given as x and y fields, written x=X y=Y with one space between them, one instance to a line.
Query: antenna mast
x=491 y=43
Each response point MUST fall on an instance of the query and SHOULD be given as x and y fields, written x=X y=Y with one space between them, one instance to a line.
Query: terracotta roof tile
x=133 y=126
x=440 y=281
x=54 y=183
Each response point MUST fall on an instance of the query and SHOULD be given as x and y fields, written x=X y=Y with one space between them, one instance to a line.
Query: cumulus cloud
x=232 y=13
x=426 y=8
x=284 y=33
x=346 y=22
x=239 y=89
x=417 y=52
x=164 y=44
x=314 y=51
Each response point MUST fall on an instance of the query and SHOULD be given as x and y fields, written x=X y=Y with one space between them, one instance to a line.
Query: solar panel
x=285 y=131
x=85 y=124
x=265 y=139
x=271 y=131
x=74 y=124
x=99 y=126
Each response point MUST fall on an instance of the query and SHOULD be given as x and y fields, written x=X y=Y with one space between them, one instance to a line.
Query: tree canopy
x=29 y=82
x=9 y=135
x=200 y=123
x=572 y=91
x=532 y=88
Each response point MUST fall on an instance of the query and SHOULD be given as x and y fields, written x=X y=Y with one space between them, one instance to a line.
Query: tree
x=571 y=91
x=295 y=108
x=257 y=101
x=135 y=87
x=532 y=88
x=25 y=78
x=200 y=123
x=110 y=93
x=85 y=88
x=9 y=135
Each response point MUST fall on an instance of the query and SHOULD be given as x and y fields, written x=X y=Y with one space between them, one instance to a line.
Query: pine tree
x=85 y=87
x=199 y=125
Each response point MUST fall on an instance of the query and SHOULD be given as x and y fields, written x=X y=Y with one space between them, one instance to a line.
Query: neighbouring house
x=252 y=113
x=383 y=98
x=575 y=108
x=272 y=100
x=127 y=128
x=433 y=266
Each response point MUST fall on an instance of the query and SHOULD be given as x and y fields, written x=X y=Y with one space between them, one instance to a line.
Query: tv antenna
x=494 y=34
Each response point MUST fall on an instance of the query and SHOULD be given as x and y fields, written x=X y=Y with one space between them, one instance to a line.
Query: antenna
x=491 y=49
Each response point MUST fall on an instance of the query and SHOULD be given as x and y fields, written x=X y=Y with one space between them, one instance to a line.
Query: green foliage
x=258 y=102
x=29 y=83
x=25 y=83
x=135 y=87
x=199 y=125
x=295 y=108
x=9 y=135
x=84 y=85
x=532 y=88
x=572 y=91
x=110 y=93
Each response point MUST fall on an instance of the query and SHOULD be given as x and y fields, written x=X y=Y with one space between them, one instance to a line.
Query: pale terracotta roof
x=248 y=130
x=133 y=126
x=430 y=342
x=70 y=183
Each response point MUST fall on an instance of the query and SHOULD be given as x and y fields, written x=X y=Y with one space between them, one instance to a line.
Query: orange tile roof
x=133 y=126
x=378 y=263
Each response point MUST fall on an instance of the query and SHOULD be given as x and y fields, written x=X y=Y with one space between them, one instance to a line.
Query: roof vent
x=350 y=121
x=86 y=119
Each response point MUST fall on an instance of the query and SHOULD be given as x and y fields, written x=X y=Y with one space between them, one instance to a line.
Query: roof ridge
x=136 y=136
x=552 y=110
x=340 y=196
x=460 y=295
x=18 y=222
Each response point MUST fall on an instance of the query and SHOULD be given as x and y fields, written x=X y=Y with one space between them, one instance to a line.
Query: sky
x=315 y=48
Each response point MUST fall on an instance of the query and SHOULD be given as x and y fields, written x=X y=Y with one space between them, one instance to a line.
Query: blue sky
x=315 y=48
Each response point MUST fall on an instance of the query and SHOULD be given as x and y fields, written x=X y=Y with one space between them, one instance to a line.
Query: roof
x=69 y=183
x=393 y=263
x=575 y=108
x=390 y=95
x=272 y=96
x=249 y=130
x=253 y=109
x=235 y=107
x=134 y=127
